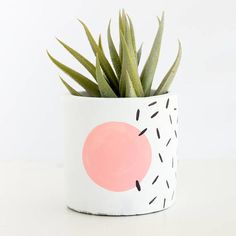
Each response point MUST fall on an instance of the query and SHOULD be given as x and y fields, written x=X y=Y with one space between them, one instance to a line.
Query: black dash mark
x=167 y=103
x=159 y=154
x=168 y=142
x=164 y=203
x=152 y=200
x=151 y=104
x=142 y=132
x=154 y=114
x=172 y=165
x=158 y=133
x=137 y=114
x=138 y=185
x=154 y=181
x=167 y=184
x=176 y=134
x=170 y=119
x=175 y=108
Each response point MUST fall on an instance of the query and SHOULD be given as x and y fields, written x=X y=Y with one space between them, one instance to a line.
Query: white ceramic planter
x=120 y=154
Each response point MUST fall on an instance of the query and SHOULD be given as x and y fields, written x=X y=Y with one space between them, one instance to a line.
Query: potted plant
x=120 y=134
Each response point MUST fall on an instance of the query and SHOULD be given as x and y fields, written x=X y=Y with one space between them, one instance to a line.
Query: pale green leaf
x=131 y=67
x=86 y=63
x=122 y=21
x=122 y=79
x=110 y=74
x=139 y=53
x=113 y=52
x=88 y=85
x=128 y=39
x=129 y=91
x=104 y=87
x=132 y=35
x=131 y=54
x=168 y=79
x=69 y=88
x=100 y=43
x=122 y=24
x=151 y=63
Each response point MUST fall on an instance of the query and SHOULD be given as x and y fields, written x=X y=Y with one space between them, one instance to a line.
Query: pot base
x=114 y=215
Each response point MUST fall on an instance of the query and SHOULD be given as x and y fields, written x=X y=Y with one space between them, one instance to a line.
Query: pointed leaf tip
x=86 y=83
x=168 y=79
x=69 y=88
x=113 y=52
x=130 y=65
x=149 y=69
x=104 y=87
x=106 y=67
x=80 y=58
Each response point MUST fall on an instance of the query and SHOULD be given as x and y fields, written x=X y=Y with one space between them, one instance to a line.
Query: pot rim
x=67 y=95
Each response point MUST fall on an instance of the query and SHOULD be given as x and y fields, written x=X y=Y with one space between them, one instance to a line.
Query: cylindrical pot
x=120 y=154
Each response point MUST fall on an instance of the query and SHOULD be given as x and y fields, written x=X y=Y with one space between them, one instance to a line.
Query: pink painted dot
x=115 y=156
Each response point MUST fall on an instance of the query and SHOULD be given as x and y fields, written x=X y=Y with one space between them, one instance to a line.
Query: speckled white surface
x=32 y=202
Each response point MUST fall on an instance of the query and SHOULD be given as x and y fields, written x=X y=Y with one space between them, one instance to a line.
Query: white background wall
x=30 y=108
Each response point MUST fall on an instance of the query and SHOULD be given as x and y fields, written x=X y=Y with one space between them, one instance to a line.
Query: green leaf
x=131 y=67
x=128 y=39
x=132 y=34
x=69 y=88
x=88 y=85
x=133 y=59
x=168 y=79
x=130 y=91
x=122 y=25
x=104 y=87
x=151 y=63
x=123 y=18
x=139 y=53
x=103 y=60
x=86 y=63
x=123 y=78
x=100 y=43
x=113 y=53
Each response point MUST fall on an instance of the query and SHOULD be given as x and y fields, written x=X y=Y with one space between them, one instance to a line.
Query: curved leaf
x=86 y=63
x=104 y=87
x=69 y=88
x=103 y=60
x=151 y=63
x=168 y=79
x=113 y=53
x=88 y=85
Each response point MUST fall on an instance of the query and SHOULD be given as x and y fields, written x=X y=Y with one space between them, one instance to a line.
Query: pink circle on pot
x=116 y=155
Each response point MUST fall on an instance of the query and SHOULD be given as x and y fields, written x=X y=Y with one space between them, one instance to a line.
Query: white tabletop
x=32 y=204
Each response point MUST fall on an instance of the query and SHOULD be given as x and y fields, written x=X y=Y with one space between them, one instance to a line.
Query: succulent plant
x=119 y=78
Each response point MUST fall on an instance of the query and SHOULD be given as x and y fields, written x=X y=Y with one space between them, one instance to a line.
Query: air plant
x=120 y=78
